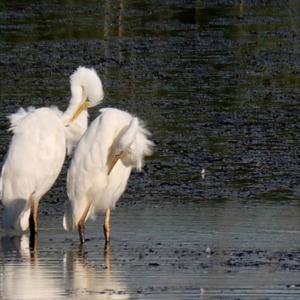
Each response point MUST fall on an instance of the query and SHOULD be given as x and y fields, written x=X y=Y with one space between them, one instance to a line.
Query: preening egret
x=38 y=148
x=114 y=143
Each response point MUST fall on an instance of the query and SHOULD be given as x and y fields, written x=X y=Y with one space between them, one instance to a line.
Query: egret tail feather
x=16 y=215
x=68 y=220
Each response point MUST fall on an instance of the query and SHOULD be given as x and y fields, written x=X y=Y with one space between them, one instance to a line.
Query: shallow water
x=217 y=83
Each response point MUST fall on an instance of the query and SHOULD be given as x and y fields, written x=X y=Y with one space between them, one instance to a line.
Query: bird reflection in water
x=90 y=282
x=24 y=276
x=27 y=273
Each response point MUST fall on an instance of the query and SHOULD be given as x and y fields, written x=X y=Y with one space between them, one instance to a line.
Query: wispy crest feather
x=16 y=118
x=87 y=81
x=142 y=147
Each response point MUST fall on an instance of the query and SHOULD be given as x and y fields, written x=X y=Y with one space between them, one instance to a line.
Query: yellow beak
x=82 y=107
x=112 y=163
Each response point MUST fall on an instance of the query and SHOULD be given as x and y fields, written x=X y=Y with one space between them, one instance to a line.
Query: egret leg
x=33 y=245
x=81 y=233
x=81 y=223
x=107 y=256
x=107 y=226
x=33 y=219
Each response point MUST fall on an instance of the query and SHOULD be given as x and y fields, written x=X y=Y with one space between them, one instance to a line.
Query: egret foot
x=82 y=222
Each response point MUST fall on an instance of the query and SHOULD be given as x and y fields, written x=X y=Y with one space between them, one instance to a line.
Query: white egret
x=38 y=148
x=114 y=143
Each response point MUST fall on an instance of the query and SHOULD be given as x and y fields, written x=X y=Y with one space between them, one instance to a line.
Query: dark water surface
x=218 y=85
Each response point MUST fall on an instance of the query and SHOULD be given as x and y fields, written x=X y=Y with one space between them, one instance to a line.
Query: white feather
x=38 y=148
x=88 y=181
x=127 y=137
x=91 y=85
x=75 y=130
x=16 y=118
x=85 y=83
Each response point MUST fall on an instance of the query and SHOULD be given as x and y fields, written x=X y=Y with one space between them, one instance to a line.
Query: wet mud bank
x=157 y=252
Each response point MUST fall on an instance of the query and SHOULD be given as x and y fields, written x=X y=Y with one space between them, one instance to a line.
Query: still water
x=218 y=84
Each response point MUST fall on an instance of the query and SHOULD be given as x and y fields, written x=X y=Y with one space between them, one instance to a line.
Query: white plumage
x=91 y=186
x=38 y=147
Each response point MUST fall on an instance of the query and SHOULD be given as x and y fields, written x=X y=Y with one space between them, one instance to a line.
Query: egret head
x=87 y=91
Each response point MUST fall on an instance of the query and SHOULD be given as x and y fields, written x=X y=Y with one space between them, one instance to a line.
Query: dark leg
x=33 y=244
x=82 y=222
x=33 y=219
x=81 y=233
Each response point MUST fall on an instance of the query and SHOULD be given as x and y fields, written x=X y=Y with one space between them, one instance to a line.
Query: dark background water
x=217 y=83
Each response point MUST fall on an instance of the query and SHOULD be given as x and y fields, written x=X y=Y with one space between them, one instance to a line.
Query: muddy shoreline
x=157 y=252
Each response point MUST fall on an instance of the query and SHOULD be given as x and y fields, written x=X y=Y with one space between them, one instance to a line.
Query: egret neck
x=80 y=108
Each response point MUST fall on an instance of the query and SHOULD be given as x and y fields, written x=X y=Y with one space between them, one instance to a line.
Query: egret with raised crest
x=41 y=138
x=114 y=143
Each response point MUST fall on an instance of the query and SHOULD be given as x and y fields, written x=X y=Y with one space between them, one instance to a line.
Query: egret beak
x=113 y=162
x=82 y=107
